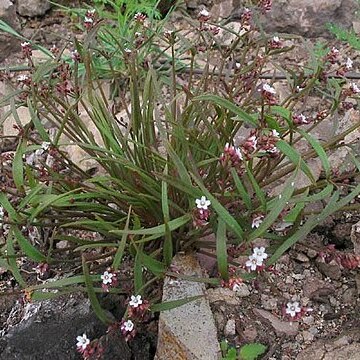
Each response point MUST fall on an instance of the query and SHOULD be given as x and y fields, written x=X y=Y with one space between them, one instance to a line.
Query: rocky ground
x=252 y=314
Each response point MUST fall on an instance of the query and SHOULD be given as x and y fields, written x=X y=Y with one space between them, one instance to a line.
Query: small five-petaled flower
x=106 y=277
x=202 y=203
x=135 y=301
x=82 y=342
x=293 y=308
x=256 y=259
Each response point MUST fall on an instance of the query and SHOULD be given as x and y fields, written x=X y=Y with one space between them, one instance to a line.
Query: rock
x=187 y=332
x=330 y=349
x=242 y=290
x=8 y=44
x=357 y=281
x=315 y=288
x=48 y=330
x=330 y=269
x=268 y=302
x=224 y=295
x=230 y=328
x=280 y=327
x=33 y=8
x=308 y=17
x=355 y=237
x=349 y=296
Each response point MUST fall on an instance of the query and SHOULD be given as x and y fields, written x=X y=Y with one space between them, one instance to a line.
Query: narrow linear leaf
x=120 y=251
x=241 y=189
x=226 y=104
x=100 y=313
x=319 y=150
x=18 y=166
x=12 y=260
x=29 y=250
x=295 y=158
x=258 y=191
x=221 y=250
x=168 y=305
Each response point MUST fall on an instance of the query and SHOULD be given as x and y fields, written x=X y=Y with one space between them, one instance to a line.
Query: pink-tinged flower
x=275 y=43
x=245 y=17
x=26 y=49
x=203 y=15
x=231 y=155
x=90 y=13
x=259 y=253
x=253 y=263
x=268 y=93
x=75 y=56
x=233 y=283
x=127 y=328
x=106 y=278
x=202 y=203
x=55 y=50
x=265 y=5
x=82 y=342
x=354 y=88
x=292 y=309
x=88 y=22
x=135 y=301
x=140 y=18
x=332 y=56
x=300 y=119
x=257 y=220
x=349 y=64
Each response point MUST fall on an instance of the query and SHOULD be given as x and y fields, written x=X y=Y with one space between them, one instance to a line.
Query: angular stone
x=187 y=332
x=33 y=8
x=48 y=330
x=355 y=237
x=280 y=327
x=8 y=44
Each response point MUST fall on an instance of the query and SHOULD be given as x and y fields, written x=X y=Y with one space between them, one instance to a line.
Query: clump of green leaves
x=246 y=352
x=186 y=115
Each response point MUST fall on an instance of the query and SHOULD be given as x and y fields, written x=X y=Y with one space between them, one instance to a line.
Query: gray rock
x=331 y=269
x=33 y=8
x=280 y=327
x=230 y=328
x=48 y=330
x=8 y=43
x=355 y=237
x=188 y=331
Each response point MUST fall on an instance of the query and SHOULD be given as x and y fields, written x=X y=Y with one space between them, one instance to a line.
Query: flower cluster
x=275 y=43
x=202 y=213
x=256 y=259
x=333 y=55
x=140 y=18
x=300 y=119
x=26 y=49
x=268 y=93
x=88 y=350
x=265 y=5
x=89 y=19
x=231 y=155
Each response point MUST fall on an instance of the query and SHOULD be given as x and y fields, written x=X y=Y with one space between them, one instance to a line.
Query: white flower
x=334 y=50
x=128 y=326
x=253 y=262
x=259 y=253
x=127 y=50
x=106 y=277
x=25 y=44
x=204 y=13
x=1 y=212
x=82 y=341
x=269 y=89
x=257 y=221
x=91 y=11
x=349 y=64
x=276 y=39
x=275 y=133
x=202 y=203
x=298 y=88
x=45 y=145
x=22 y=78
x=236 y=287
x=292 y=308
x=88 y=20
x=135 y=301
x=354 y=88
x=238 y=153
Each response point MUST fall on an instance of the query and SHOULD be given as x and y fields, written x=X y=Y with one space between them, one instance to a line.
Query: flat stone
x=187 y=332
x=33 y=8
x=280 y=327
x=223 y=295
x=355 y=237
x=48 y=330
